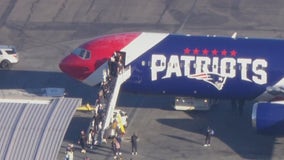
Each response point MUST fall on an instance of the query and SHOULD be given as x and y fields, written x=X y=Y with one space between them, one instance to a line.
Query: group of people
x=116 y=145
x=69 y=153
x=95 y=135
x=116 y=64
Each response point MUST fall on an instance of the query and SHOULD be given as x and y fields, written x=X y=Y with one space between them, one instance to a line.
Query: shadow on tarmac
x=77 y=124
x=27 y=80
x=230 y=128
x=137 y=100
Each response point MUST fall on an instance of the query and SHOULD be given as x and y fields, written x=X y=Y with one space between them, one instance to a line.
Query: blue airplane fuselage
x=201 y=66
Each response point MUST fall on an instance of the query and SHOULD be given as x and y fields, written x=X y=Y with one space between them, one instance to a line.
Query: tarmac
x=168 y=134
x=46 y=31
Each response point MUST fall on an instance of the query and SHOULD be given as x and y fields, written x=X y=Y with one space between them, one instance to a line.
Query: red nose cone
x=101 y=49
x=75 y=67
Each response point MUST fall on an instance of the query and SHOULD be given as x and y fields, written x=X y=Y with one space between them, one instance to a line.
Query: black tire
x=5 y=64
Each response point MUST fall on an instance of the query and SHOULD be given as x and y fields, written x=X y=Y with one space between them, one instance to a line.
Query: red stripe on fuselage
x=101 y=49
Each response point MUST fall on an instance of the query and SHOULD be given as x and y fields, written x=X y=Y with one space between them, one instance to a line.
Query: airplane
x=214 y=67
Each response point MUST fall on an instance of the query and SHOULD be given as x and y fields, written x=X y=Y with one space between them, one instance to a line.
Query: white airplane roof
x=34 y=129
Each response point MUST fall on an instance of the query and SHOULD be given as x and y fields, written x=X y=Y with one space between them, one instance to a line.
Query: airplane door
x=122 y=54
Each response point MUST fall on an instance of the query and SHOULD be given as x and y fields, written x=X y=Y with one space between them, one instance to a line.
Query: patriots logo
x=214 y=79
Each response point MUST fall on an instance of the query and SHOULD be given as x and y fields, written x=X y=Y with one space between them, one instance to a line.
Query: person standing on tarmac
x=209 y=133
x=115 y=148
x=134 y=139
x=69 y=152
x=82 y=141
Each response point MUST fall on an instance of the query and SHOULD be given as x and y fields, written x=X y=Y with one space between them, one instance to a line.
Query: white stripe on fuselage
x=141 y=44
x=97 y=76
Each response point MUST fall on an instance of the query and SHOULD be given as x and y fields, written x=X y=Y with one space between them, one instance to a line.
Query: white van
x=8 y=56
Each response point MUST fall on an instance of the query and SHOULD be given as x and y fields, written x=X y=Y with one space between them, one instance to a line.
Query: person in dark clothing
x=113 y=67
x=82 y=141
x=134 y=139
x=209 y=133
x=120 y=64
x=115 y=148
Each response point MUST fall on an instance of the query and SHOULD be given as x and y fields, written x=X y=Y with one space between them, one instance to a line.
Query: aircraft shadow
x=32 y=80
x=137 y=100
x=231 y=128
x=29 y=80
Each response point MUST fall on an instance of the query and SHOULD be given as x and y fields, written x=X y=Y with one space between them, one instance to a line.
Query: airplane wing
x=273 y=92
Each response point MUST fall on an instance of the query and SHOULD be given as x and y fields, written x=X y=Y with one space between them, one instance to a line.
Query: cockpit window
x=83 y=53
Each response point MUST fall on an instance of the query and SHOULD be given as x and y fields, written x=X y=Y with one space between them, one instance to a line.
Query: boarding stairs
x=110 y=107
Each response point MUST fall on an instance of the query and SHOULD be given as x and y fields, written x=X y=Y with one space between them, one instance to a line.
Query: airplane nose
x=65 y=66
x=73 y=67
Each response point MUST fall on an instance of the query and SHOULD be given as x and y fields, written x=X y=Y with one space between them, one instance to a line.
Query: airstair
x=111 y=104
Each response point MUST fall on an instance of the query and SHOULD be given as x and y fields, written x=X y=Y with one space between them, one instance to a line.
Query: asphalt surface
x=44 y=31
x=168 y=134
